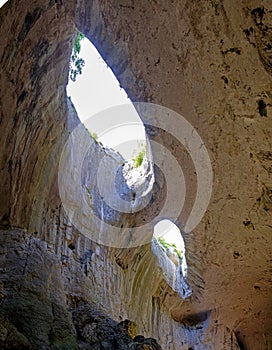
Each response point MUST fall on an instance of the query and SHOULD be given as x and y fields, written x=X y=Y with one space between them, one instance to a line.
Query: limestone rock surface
x=209 y=61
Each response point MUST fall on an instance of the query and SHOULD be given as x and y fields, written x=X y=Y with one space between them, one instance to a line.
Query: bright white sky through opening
x=2 y=2
x=96 y=90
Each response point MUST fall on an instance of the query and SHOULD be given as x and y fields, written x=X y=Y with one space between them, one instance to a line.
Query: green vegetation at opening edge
x=165 y=245
x=76 y=62
x=94 y=135
x=138 y=160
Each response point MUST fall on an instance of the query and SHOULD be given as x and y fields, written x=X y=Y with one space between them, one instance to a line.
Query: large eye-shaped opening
x=93 y=88
x=105 y=159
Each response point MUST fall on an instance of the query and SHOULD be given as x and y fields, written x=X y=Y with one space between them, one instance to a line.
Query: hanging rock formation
x=209 y=61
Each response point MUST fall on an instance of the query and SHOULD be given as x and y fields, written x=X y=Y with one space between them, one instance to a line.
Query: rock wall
x=211 y=62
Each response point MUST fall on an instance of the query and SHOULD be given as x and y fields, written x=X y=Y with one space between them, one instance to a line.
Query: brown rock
x=209 y=61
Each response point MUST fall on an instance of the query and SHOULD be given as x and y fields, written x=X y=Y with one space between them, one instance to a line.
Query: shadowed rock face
x=208 y=61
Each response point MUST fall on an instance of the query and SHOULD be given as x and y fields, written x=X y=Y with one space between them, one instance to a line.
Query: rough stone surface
x=211 y=62
x=38 y=312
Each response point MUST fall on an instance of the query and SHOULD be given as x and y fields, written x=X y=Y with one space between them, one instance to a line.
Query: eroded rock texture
x=211 y=62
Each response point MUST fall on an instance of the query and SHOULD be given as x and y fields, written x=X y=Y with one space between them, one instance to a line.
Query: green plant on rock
x=93 y=134
x=165 y=245
x=76 y=62
x=138 y=160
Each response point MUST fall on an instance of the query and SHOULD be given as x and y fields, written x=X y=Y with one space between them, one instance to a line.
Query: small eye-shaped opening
x=169 y=248
x=171 y=242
